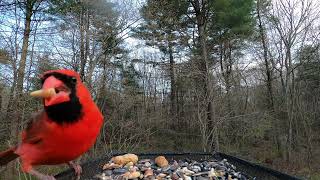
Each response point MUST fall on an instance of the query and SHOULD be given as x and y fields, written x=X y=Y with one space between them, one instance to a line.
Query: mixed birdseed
x=129 y=167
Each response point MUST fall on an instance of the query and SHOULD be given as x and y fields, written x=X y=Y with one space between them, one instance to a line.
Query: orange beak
x=44 y=93
x=49 y=93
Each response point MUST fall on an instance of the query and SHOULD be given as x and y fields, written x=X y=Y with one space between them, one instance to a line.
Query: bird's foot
x=77 y=169
x=41 y=176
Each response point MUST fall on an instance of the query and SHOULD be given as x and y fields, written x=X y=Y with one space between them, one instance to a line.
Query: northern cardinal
x=65 y=129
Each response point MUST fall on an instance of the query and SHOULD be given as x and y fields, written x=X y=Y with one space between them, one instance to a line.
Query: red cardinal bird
x=66 y=128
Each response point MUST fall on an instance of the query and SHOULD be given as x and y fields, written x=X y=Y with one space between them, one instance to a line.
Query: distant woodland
x=236 y=76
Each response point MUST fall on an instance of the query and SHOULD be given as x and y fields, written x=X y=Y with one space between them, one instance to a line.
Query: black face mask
x=66 y=112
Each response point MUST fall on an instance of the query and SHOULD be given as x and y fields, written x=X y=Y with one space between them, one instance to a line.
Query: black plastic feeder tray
x=255 y=171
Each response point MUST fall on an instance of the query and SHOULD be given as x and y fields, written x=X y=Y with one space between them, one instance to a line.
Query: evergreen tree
x=231 y=26
x=163 y=27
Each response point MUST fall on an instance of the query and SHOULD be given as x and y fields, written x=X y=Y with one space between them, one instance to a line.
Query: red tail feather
x=7 y=156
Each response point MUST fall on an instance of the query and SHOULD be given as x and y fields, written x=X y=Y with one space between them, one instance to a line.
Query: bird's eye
x=73 y=79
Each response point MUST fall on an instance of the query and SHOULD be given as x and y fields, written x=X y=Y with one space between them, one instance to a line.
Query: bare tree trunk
x=21 y=70
x=289 y=99
x=201 y=8
x=15 y=104
x=226 y=66
x=82 y=42
x=265 y=57
x=291 y=28
x=25 y=44
x=173 y=108
x=269 y=75
x=87 y=43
